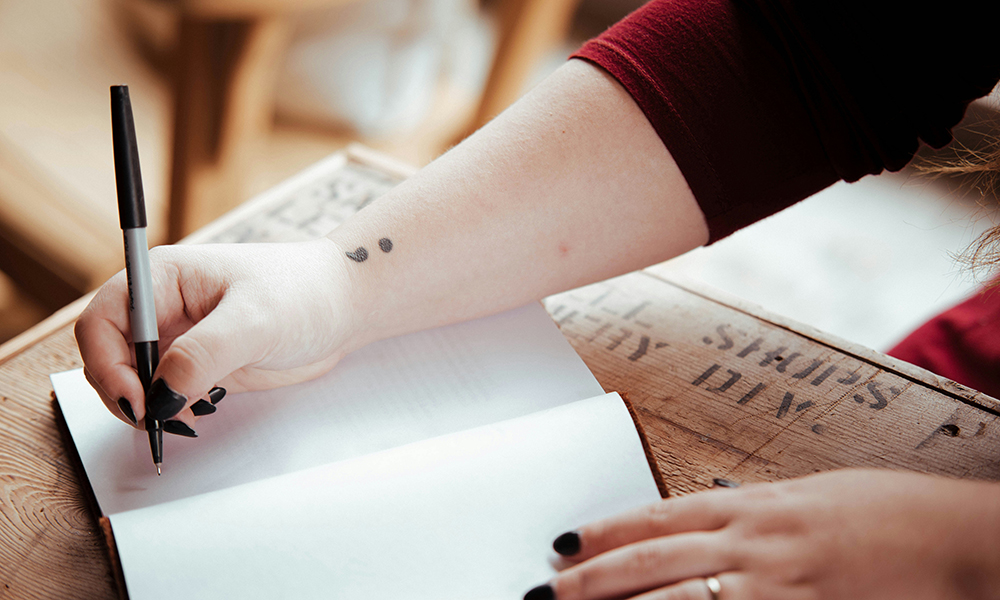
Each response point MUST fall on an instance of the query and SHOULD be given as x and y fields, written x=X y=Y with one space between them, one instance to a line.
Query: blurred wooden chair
x=529 y=30
x=59 y=234
x=196 y=129
x=58 y=217
x=229 y=55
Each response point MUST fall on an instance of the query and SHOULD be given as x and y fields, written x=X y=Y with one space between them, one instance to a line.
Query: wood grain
x=721 y=389
x=58 y=217
x=224 y=106
x=724 y=393
x=528 y=29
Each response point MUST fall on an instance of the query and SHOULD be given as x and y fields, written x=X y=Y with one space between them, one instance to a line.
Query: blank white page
x=385 y=395
x=466 y=515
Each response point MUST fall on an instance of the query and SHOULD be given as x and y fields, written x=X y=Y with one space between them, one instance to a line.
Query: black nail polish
x=216 y=394
x=163 y=402
x=202 y=407
x=126 y=409
x=719 y=482
x=179 y=428
x=567 y=544
x=542 y=592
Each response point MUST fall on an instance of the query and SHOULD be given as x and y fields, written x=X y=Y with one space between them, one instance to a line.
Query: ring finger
x=643 y=566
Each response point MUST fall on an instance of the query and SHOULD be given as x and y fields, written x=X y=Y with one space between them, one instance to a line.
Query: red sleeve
x=961 y=343
x=764 y=102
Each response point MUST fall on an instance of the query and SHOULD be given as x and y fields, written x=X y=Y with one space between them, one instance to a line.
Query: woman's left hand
x=853 y=534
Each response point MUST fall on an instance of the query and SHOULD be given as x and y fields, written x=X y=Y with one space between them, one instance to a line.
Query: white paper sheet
x=385 y=395
x=467 y=515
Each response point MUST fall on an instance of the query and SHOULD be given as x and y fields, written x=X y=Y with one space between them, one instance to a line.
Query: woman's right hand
x=523 y=208
x=243 y=317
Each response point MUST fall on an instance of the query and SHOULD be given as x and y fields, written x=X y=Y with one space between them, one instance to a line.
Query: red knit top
x=764 y=102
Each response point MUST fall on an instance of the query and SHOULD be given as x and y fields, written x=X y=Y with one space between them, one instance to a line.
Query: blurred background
x=232 y=96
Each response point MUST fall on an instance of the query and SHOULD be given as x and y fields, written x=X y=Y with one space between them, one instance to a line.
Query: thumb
x=196 y=361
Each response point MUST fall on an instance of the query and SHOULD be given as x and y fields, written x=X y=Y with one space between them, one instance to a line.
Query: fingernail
x=163 y=402
x=542 y=592
x=216 y=394
x=126 y=409
x=567 y=544
x=719 y=482
x=178 y=428
x=202 y=407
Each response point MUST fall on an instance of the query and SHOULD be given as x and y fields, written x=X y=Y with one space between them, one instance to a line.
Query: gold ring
x=714 y=587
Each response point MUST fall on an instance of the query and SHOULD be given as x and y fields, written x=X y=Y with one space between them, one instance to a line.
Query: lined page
x=385 y=395
x=466 y=515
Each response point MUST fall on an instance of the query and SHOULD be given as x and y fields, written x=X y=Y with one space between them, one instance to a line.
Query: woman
x=686 y=121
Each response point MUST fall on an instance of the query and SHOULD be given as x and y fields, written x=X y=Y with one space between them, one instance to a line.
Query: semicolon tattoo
x=359 y=255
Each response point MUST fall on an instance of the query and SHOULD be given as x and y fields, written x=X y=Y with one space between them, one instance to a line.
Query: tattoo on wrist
x=360 y=253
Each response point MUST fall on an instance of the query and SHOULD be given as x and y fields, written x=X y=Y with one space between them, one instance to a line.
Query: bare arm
x=570 y=185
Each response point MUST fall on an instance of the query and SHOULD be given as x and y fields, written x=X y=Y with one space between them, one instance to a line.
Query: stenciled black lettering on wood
x=704 y=376
x=822 y=376
x=749 y=395
x=806 y=372
x=635 y=311
x=753 y=347
x=781 y=366
x=641 y=350
x=853 y=377
x=727 y=342
x=626 y=334
x=733 y=378
x=770 y=356
x=786 y=403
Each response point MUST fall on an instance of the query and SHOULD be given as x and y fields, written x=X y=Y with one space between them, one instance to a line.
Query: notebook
x=439 y=464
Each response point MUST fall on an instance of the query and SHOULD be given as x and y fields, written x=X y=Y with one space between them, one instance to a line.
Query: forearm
x=570 y=185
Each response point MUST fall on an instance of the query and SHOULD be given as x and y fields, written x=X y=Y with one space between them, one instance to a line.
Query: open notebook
x=437 y=465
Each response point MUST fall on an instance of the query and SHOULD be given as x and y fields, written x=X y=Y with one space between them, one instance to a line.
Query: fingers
x=101 y=336
x=121 y=408
x=182 y=424
x=698 y=512
x=732 y=585
x=205 y=354
x=647 y=565
x=692 y=589
x=728 y=586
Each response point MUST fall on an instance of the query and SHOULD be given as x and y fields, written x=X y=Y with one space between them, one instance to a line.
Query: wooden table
x=720 y=388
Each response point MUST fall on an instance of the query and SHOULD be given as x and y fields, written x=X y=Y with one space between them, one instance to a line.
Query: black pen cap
x=131 y=203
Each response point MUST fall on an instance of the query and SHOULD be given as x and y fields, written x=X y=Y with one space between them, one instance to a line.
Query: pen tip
x=158 y=470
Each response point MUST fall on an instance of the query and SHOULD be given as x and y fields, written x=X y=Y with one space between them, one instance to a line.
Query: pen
x=132 y=214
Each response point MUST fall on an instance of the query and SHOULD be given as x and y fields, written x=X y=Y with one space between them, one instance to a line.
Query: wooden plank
x=723 y=393
x=49 y=542
x=942 y=384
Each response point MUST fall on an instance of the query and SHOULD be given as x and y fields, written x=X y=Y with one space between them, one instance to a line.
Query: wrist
x=353 y=299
